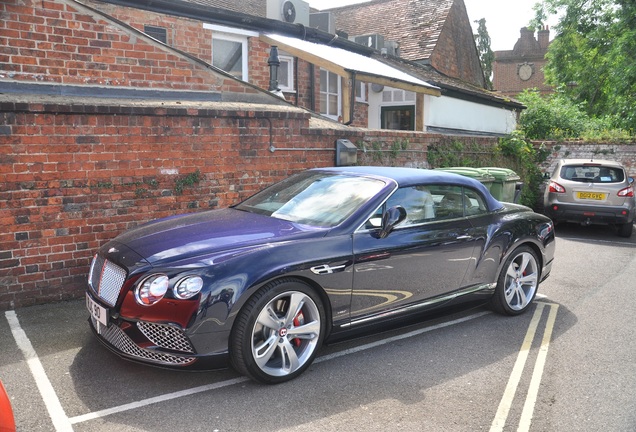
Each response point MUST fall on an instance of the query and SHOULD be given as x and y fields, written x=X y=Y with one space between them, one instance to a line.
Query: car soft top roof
x=405 y=177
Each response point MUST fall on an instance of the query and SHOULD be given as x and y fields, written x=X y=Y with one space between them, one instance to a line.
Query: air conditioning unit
x=375 y=41
x=290 y=11
x=323 y=21
x=391 y=48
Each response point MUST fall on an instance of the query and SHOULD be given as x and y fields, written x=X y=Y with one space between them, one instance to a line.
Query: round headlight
x=188 y=287
x=151 y=289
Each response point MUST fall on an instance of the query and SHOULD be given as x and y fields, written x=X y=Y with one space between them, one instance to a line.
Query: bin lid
x=502 y=174
x=475 y=173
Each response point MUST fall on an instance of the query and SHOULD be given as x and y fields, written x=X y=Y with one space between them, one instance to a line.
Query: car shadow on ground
x=401 y=371
x=591 y=233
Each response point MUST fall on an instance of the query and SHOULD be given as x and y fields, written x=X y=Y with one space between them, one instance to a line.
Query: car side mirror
x=390 y=219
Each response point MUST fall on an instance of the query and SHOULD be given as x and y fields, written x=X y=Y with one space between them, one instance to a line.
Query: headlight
x=188 y=287
x=151 y=289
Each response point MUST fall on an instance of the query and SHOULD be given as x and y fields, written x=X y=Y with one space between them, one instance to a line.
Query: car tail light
x=152 y=289
x=556 y=188
x=627 y=192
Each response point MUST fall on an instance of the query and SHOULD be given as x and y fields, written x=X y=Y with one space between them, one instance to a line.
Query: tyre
x=278 y=332
x=625 y=230
x=518 y=282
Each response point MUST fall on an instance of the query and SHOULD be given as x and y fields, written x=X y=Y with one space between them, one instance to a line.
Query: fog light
x=188 y=287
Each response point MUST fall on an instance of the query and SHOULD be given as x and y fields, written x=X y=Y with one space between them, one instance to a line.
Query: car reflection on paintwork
x=320 y=256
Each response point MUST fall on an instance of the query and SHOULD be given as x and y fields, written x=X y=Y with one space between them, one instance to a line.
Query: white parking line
x=501 y=416
x=157 y=399
x=53 y=405
x=64 y=423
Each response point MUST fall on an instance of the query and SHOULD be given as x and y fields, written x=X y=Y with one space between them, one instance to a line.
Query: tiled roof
x=255 y=8
x=415 y=24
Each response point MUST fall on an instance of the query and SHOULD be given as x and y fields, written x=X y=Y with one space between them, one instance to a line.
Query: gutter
x=225 y=17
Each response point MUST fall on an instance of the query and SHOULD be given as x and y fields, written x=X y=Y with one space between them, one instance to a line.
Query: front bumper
x=160 y=345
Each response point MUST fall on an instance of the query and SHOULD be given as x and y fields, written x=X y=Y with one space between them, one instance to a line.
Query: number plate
x=599 y=196
x=98 y=312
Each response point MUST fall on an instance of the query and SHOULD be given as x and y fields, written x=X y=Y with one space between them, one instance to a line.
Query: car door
x=422 y=260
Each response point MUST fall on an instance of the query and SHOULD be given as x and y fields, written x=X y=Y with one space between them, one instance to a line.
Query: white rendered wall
x=450 y=113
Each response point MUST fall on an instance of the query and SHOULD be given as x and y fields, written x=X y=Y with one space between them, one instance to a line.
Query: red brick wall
x=506 y=79
x=74 y=174
x=47 y=41
x=455 y=53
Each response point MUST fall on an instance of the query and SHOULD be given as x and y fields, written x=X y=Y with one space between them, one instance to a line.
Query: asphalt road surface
x=569 y=364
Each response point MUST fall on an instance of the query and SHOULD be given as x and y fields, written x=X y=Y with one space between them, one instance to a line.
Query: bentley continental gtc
x=315 y=258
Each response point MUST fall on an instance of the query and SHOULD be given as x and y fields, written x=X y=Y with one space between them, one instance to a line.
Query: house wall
x=455 y=54
x=451 y=113
x=447 y=112
x=527 y=50
x=56 y=42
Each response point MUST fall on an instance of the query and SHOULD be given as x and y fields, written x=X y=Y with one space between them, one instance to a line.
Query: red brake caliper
x=298 y=321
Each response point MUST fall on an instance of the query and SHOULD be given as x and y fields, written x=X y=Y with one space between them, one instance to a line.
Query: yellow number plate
x=599 y=196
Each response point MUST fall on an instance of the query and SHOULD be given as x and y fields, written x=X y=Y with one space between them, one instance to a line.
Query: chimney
x=544 y=37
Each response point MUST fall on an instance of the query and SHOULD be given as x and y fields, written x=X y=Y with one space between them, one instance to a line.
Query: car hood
x=204 y=233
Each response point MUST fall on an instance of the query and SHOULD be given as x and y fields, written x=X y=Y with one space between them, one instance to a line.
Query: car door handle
x=464 y=237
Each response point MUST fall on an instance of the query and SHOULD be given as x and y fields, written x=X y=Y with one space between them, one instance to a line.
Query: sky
x=504 y=18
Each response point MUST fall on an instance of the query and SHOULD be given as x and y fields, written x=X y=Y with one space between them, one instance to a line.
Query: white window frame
x=289 y=62
x=363 y=91
x=232 y=35
x=326 y=94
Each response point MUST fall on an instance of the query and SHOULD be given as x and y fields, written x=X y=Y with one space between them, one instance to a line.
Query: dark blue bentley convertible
x=316 y=257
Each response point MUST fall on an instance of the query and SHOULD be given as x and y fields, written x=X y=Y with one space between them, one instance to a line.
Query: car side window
x=417 y=201
x=474 y=201
x=432 y=203
x=449 y=201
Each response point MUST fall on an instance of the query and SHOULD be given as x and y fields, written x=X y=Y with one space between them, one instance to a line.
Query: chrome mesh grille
x=106 y=279
x=166 y=336
x=120 y=340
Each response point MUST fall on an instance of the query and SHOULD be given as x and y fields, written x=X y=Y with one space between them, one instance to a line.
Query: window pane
x=333 y=105
x=333 y=83
x=283 y=73
x=228 y=55
x=398 y=118
x=323 y=80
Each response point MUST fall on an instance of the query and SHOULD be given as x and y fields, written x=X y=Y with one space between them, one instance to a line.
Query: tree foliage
x=486 y=56
x=593 y=57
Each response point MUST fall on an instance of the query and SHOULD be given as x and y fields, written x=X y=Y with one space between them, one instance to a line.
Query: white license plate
x=98 y=312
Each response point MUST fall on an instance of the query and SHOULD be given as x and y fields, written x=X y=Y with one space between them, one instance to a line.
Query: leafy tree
x=551 y=117
x=593 y=57
x=486 y=56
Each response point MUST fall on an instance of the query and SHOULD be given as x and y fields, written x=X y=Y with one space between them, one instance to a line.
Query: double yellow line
x=513 y=383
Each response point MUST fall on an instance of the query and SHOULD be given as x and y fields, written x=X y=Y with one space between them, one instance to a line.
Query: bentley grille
x=106 y=279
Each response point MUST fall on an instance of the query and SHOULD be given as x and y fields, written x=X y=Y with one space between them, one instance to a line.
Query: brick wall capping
x=88 y=105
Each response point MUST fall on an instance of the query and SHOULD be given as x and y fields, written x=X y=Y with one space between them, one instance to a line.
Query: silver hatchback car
x=591 y=192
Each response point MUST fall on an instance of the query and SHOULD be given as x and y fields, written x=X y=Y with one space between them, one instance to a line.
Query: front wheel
x=278 y=332
x=518 y=282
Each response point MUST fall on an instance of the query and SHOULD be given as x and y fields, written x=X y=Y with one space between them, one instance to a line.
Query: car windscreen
x=590 y=173
x=314 y=198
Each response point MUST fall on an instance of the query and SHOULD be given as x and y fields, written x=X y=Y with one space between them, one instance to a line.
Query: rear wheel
x=278 y=332
x=518 y=282
x=625 y=230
